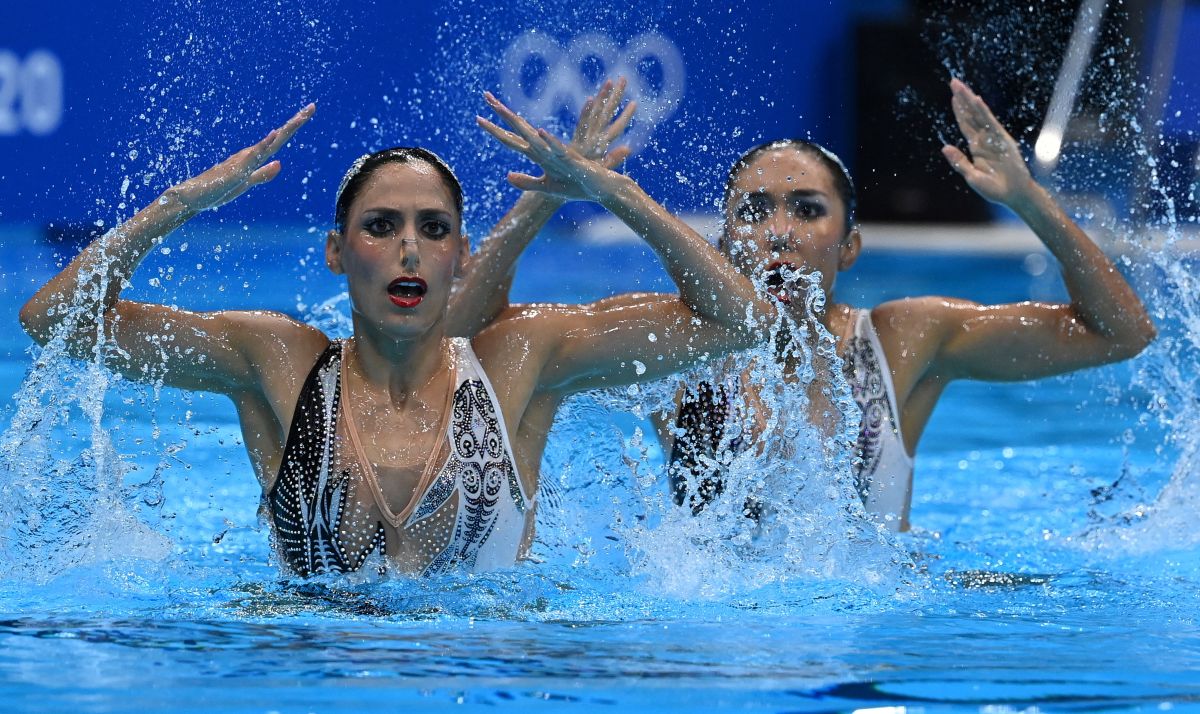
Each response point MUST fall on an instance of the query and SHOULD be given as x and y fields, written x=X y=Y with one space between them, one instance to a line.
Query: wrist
x=170 y=206
x=540 y=201
x=1028 y=198
x=612 y=188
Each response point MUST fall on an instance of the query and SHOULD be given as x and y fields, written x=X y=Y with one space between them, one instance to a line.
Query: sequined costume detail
x=883 y=473
x=866 y=384
x=309 y=496
x=702 y=416
x=478 y=480
x=481 y=470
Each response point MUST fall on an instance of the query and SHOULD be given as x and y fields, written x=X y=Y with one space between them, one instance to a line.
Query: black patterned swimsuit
x=883 y=473
x=320 y=527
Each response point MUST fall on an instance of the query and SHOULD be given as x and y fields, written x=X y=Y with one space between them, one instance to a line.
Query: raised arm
x=1105 y=320
x=82 y=303
x=717 y=311
x=483 y=293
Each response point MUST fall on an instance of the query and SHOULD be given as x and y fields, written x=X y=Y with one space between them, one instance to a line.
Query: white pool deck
x=998 y=238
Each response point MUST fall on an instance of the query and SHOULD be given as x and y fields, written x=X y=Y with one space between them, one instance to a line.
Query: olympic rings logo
x=539 y=78
x=31 y=93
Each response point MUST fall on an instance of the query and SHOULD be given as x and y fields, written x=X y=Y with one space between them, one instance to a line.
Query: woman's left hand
x=568 y=173
x=995 y=169
x=598 y=128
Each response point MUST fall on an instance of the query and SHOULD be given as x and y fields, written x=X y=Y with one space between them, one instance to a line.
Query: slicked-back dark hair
x=841 y=175
x=362 y=169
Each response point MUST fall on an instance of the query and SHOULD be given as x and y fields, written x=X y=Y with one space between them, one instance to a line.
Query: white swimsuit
x=884 y=476
x=330 y=511
x=883 y=473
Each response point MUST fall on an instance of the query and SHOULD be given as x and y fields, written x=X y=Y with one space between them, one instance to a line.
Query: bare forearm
x=483 y=294
x=92 y=282
x=1099 y=293
x=707 y=282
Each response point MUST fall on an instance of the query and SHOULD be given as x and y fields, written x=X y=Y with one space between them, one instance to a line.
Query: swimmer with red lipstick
x=403 y=448
x=407 y=292
x=789 y=208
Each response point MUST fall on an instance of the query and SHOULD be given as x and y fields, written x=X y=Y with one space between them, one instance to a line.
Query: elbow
x=1146 y=334
x=33 y=320
x=1136 y=341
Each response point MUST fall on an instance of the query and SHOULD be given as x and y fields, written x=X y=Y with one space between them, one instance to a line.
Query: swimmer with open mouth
x=407 y=292
x=789 y=210
x=405 y=446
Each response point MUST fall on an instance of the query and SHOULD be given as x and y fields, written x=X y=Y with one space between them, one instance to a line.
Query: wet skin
x=402 y=241
x=784 y=208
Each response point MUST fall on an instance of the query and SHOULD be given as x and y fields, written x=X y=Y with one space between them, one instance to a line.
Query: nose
x=410 y=254
x=781 y=232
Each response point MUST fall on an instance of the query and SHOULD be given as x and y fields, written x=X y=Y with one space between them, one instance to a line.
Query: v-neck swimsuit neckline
x=432 y=465
x=469 y=512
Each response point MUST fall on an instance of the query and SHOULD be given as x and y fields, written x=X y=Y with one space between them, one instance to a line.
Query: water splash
x=331 y=316
x=798 y=464
x=64 y=497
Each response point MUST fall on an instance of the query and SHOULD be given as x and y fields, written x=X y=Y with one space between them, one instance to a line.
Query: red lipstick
x=407 y=291
x=777 y=284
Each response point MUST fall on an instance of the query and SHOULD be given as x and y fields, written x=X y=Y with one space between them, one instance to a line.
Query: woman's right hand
x=995 y=168
x=569 y=172
x=233 y=176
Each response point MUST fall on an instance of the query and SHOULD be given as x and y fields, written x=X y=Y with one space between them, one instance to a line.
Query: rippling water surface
x=1033 y=578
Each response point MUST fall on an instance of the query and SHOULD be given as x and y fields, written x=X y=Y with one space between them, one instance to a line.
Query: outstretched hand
x=573 y=171
x=995 y=168
x=234 y=176
x=597 y=129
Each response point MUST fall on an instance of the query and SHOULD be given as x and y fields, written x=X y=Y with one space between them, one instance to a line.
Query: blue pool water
x=1018 y=591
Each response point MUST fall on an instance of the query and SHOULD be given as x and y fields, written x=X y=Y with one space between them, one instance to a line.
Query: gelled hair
x=842 y=182
x=366 y=165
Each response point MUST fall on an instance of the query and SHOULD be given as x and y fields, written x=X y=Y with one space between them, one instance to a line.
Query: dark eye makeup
x=381 y=223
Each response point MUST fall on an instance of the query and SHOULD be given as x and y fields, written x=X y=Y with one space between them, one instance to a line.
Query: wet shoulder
x=514 y=348
x=523 y=330
x=277 y=344
x=911 y=331
x=281 y=351
x=917 y=318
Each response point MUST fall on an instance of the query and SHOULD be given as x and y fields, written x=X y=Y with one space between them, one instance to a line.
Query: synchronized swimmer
x=790 y=209
x=402 y=441
x=414 y=445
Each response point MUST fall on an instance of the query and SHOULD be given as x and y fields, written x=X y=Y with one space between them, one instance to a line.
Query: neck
x=400 y=365
x=835 y=319
x=831 y=319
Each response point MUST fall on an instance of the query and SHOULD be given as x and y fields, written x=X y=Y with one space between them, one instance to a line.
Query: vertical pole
x=1066 y=88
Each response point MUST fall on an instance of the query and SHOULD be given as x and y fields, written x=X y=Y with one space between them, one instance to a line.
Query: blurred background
x=102 y=107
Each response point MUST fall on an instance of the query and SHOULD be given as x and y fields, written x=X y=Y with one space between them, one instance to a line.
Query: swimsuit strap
x=883 y=472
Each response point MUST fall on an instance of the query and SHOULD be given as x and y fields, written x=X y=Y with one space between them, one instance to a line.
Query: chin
x=397 y=325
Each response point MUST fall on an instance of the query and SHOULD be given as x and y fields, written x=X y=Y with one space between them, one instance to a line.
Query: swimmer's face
x=784 y=212
x=401 y=248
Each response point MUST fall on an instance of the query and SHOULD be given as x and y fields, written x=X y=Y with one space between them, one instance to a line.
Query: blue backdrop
x=101 y=110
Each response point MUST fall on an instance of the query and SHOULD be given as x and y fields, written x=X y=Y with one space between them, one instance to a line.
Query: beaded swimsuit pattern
x=308 y=501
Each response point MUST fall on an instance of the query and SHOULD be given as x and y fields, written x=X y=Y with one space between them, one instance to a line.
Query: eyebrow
x=388 y=210
x=806 y=193
x=793 y=194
